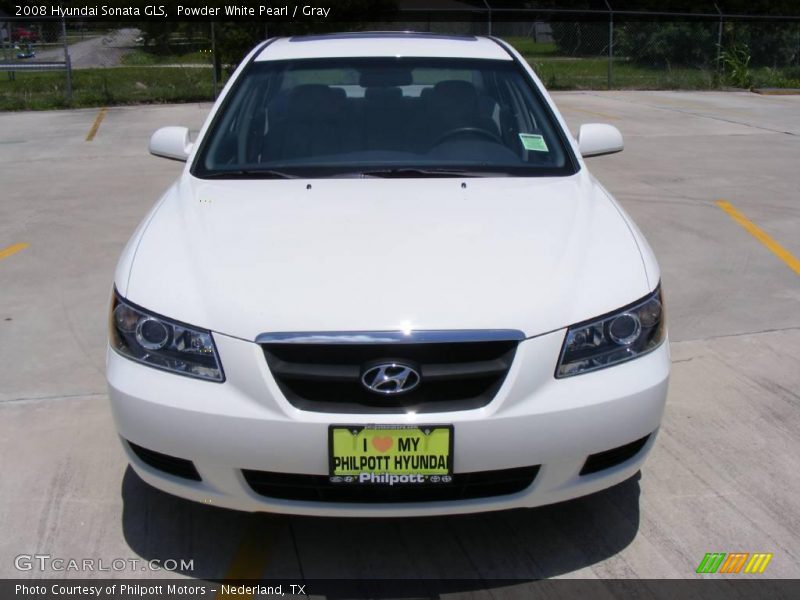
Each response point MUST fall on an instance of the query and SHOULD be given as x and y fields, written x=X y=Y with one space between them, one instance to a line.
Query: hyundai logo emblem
x=390 y=379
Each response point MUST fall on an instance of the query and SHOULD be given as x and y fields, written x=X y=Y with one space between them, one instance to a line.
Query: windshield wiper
x=434 y=172
x=250 y=174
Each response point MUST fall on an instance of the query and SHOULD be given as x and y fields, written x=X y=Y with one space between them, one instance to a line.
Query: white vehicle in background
x=386 y=284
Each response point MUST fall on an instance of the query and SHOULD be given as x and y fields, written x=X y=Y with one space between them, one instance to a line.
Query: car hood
x=248 y=257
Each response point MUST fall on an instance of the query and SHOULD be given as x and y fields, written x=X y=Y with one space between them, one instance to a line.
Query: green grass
x=592 y=73
x=105 y=87
x=140 y=57
x=528 y=48
x=778 y=78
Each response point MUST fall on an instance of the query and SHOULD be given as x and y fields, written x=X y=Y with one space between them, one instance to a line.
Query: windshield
x=383 y=117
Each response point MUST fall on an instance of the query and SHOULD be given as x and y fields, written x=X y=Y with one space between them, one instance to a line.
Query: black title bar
x=388 y=11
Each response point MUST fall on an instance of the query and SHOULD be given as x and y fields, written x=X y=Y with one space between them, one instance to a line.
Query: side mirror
x=171 y=142
x=596 y=139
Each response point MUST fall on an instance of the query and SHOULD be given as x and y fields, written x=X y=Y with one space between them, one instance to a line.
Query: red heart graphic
x=382 y=444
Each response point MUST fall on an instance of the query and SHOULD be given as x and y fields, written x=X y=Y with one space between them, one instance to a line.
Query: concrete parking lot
x=724 y=475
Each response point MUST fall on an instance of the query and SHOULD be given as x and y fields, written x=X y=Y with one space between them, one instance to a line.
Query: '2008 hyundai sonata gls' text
x=386 y=284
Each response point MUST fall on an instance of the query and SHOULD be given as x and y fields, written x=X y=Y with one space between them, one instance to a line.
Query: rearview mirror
x=596 y=139
x=171 y=142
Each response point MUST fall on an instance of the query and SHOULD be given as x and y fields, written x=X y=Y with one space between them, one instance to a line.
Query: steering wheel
x=469 y=130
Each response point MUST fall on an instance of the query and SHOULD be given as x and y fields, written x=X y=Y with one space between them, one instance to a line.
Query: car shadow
x=463 y=552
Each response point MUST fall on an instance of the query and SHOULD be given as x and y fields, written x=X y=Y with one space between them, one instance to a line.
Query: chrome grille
x=323 y=372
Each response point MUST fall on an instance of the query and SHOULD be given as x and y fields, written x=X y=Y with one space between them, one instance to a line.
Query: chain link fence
x=635 y=54
x=52 y=64
x=35 y=48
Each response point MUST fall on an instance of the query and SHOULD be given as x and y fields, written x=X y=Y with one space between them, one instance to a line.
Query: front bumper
x=245 y=423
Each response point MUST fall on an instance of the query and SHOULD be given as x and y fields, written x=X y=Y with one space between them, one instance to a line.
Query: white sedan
x=386 y=284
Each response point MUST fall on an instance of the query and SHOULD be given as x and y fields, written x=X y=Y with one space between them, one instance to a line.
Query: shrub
x=736 y=67
x=666 y=44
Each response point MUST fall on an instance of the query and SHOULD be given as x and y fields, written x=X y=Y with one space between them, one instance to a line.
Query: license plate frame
x=350 y=474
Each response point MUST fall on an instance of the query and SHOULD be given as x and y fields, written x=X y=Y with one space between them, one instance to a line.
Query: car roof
x=365 y=44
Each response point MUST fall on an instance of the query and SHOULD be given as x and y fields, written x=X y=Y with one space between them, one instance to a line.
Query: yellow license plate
x=391 y=454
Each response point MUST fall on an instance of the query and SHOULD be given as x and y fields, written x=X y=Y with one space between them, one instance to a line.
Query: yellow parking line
x=250 y=559
x=11 y=250
x=96 y=125
x=751 y=228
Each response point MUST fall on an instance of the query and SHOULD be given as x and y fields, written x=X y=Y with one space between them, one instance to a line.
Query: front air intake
x=612 y=458
x=179 y=467
x=318 y=488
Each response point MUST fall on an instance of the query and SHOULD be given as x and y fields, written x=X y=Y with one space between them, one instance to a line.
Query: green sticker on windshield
x=535 y=142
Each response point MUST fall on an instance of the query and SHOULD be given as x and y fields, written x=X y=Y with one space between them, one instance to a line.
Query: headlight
x=162 y=343
x=611 y=339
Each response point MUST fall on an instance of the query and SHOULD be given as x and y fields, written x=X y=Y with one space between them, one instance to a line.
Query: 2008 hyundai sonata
x=386 y=283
